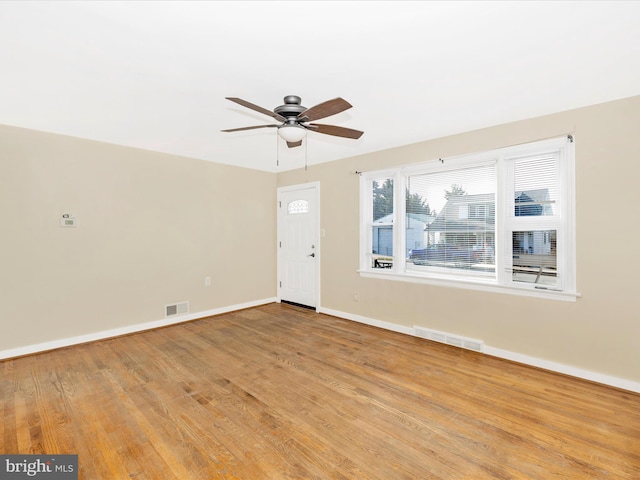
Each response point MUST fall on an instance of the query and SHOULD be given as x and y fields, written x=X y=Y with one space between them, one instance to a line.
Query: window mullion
x=399 y=227
x=503 y=246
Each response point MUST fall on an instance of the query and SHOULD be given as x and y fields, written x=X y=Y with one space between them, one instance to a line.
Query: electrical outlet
x=356 y=297
x=207 y=281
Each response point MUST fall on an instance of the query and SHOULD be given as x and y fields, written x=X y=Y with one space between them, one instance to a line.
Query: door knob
x=311 y=255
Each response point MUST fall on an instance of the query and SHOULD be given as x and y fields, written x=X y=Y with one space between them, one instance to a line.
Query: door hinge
x=280 y=284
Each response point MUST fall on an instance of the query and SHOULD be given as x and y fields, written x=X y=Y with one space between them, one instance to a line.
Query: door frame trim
x=315 y=186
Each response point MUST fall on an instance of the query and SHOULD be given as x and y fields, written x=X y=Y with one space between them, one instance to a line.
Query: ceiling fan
x=296 y=119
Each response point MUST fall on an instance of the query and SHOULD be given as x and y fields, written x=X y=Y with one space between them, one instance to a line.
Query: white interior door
x=298 y=244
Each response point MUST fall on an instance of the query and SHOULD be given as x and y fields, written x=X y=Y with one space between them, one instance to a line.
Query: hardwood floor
x=280 y=392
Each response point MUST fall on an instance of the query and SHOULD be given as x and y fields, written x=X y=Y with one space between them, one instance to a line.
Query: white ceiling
x=154 y=75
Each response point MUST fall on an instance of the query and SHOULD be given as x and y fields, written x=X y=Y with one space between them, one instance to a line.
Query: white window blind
x=535 y=220
x=450 y=221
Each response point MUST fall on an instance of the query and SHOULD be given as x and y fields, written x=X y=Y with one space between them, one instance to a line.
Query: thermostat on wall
x=68 y=220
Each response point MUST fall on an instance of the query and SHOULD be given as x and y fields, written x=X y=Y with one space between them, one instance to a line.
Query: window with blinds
x=535 y=219
x=503 y=218
x=450 y=221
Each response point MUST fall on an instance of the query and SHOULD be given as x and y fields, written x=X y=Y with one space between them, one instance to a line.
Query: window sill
x=487 y=286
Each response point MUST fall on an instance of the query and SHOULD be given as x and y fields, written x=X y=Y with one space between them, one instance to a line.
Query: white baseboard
x=394 y=327
x=507 y=355
x=116 y=332
x=565 y=369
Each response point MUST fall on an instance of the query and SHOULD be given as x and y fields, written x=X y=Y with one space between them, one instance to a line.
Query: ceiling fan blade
x=324 y=109
x=244 y=103
x=294 y=144
x=249 y=128
x=335 y=130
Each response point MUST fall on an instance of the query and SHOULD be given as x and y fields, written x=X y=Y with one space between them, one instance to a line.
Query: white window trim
x=502 y=283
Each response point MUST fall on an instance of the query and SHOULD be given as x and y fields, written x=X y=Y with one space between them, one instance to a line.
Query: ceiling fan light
x=292 y=133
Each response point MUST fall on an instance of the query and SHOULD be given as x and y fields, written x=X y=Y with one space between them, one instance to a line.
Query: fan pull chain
x=306 y=152
x=277 y=150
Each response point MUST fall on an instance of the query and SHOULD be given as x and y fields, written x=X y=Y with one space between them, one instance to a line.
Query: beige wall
x=151 y=227
x=600 y=332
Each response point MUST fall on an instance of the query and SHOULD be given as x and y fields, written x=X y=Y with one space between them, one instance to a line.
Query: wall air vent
x=449 y=339
x=176 y=309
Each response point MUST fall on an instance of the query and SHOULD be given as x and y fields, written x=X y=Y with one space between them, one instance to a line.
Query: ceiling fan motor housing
x=291 y=108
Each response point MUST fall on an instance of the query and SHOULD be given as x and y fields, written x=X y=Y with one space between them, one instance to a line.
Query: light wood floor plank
x=282 y=393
